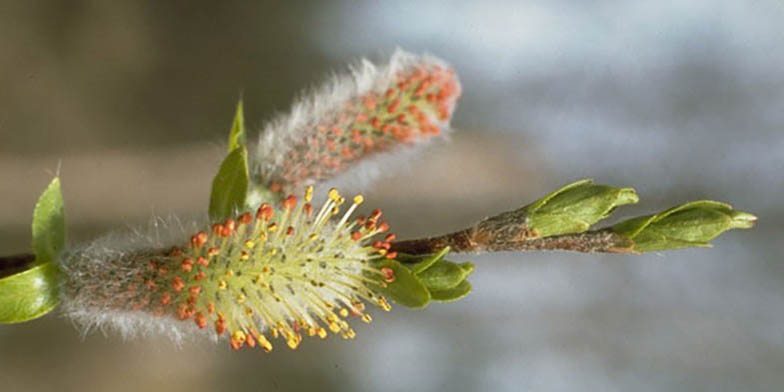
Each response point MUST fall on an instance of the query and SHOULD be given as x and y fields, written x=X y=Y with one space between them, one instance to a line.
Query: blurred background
x=681 y=100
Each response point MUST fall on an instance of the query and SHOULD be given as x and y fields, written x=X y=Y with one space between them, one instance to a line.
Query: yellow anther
x=230 y=272
x=244 y=256
x=382 y=252
x=263 y=236
x=313 y=237
x=293 y=342
x=322 y=333
x=264 y=343
x=249 y=244
x=222 y=284
x=343 y=312
x=241 y=298
x=312 y=331
x=308 y=193
x=382 y=302
x=248 y=311
x=340 y=201
x=239 y=335
x=358 y=199
x=334 y=327
x=335 y=210
x=272 y=227
x=274 y=333
x=334 y=194
x=259 y=278
x=366 y=318
x=351 y=334
x=273 y=251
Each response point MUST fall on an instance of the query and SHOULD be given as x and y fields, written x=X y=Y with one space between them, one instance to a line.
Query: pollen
x=291 y=272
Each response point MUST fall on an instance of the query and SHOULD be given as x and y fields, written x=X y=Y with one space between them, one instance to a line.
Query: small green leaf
x=406 y=289
x=420 y=263
x=230 y=186
x=692 y=224
x=575 y=207
x=453 y=294
x=49 y=224
x=237 y=133
x=29 y=294
x=444 y=275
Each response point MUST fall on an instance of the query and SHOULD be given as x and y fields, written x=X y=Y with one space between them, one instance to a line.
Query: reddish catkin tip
x=388 y=274
x=356 y=117
x=245 y=218
x=202 y=261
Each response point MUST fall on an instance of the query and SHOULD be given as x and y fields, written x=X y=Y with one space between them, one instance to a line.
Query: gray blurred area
x=681 y=100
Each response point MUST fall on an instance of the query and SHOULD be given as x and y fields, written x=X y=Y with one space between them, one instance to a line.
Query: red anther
x=383 y=227
x=265 y=212
x=220 y=326
x=361 y=117
x=389 y=93
x=378 y=244
x=290 y=202
x=370 y=225
x=183 y=312
x=337 y=132
x=150 y=284
x=369 y=102
x=368 y=143
x=250 y=340
x=356 y=236
x=356 y=136
x=226 y=232
x=194 y=290
x=163 y=271
x=177 y=284
x=346 y=152
x=166 y=299
x=230 y=224
x=321 y=129
x=432 y=98
x=375 y=122
x=290 y=231
x=413 y=110
x=308 y=209
x=390 y=237
x=175 y=252
x=386 y=245
x=235 y=344
x=386 y=128
x=210 y=308
x=201 y=239
x=201 y=275
x=217 y=229
x=393 y=106
x=375 y=214
x=361 y=220
x=200 y=320
x=245 y=218
x=330 y=145
x=387 y=273
x=401 y=119
x=202 y=261
x=186 y=267
x=391 y=255
x=151 y=265
x=213 y=251
x=274 y=187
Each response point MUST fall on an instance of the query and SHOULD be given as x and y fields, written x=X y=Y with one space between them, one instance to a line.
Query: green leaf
x=29 y=294
x=453 y=294
x=420 y=263
x=230 y=186
x=445 y=275
x=406 y=289
x=49 y=224
x=575 y=207
x=692 y=224
x=237 y=133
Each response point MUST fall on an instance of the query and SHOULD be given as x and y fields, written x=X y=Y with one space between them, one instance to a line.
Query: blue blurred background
x=681 y=100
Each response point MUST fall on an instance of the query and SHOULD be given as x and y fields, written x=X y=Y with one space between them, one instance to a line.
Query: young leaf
x=444 y=275
x=421 y=263
x=49 y=224
x=230 y=186
x=453 y=294
x=406 y=289
x=29 y=294
x=237 y=133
